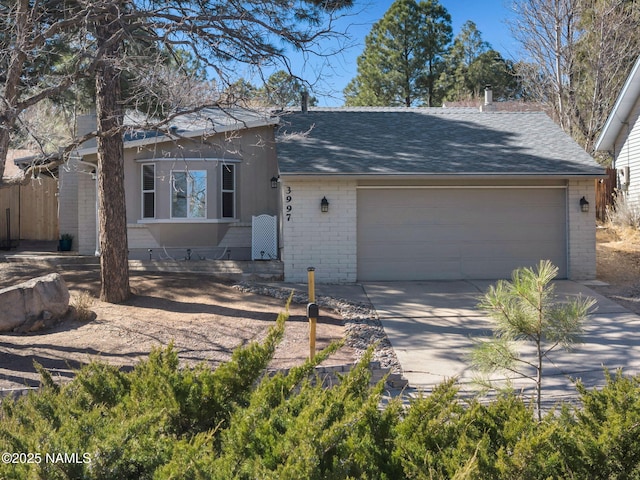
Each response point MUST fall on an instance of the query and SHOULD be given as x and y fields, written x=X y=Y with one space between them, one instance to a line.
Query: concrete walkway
x=433 y=325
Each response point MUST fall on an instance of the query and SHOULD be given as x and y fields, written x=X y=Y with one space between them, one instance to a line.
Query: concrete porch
x=46 y=254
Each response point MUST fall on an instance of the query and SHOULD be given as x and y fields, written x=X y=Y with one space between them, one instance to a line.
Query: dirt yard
x=206 y=319
x=618 y=265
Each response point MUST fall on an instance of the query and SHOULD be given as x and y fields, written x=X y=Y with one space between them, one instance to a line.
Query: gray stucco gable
x=427 y=141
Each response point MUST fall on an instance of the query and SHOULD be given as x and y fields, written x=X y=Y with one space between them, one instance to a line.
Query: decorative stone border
x=362 y=325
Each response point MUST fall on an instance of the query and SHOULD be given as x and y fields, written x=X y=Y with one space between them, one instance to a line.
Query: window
x=148 y=190
x=228 y=191
x=189 y=194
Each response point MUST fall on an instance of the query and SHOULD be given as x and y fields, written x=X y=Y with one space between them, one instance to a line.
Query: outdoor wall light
x=324 y=205
x=584 y=204
x=274 y=182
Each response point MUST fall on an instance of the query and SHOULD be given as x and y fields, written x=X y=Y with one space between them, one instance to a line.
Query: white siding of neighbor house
x=627 y=154
x=326 y=241
x=581 y=230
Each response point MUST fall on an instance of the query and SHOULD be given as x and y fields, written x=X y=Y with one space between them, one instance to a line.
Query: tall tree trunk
x=12 y=81
x=539 y=379
x=114 y=265
x=4 y=148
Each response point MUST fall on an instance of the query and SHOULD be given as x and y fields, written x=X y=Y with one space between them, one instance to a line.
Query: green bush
x=129 y=423
x=236 y=422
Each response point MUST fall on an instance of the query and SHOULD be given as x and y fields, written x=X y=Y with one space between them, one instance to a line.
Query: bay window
x=189 y=194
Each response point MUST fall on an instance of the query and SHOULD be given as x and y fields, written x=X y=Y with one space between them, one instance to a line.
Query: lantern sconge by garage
x=584 y=205
x=324 y=205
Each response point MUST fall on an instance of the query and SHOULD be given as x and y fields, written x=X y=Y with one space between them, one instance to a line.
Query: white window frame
x=189 y=193
x=147 y=191
x=232 y=191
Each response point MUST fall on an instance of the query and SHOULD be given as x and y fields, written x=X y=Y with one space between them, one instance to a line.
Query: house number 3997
x=287 y=200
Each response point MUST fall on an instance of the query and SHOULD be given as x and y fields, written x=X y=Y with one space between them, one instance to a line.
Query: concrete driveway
x=432 y=327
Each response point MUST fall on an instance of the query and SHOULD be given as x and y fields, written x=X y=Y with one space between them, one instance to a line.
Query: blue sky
x=331 y=75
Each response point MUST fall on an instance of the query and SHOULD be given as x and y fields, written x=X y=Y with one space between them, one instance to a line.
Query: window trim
x=154 y=191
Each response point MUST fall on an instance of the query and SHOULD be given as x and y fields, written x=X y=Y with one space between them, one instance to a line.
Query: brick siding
x=86 y=214
x=582 y=230
x=326 y=241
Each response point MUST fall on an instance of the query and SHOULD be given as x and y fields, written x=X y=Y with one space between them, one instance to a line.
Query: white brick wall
x=77 y=206
x=86 y=209
x=582 y=230
x=326 y=241
x=68 y=200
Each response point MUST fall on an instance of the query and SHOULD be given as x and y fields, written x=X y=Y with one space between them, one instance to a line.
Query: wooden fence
x=32 y=211
x=605 y=194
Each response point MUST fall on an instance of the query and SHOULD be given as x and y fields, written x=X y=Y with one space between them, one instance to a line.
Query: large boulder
x=30 y=305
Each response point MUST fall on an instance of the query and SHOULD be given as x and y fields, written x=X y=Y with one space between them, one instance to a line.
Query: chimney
x=305 y=101
x=86 y=123
x=488 y=105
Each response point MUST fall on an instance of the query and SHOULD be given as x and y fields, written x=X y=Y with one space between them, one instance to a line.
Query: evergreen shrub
x=160 y=421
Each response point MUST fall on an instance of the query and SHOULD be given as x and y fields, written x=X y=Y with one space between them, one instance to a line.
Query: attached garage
x=432 y=194
x=458 y=232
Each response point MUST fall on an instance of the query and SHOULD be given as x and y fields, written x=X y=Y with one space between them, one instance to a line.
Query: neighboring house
x=419 y=194
x=192 y=192
x=620 y=137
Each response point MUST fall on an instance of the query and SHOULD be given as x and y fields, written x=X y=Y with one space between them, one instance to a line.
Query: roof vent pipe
x=488 y=95
x=488 y=100
x=86 y=123
x=305 y=101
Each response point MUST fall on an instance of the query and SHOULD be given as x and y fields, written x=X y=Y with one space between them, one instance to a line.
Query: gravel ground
x=362 y=326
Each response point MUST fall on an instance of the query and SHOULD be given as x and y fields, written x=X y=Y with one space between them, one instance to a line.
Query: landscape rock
x=363 y=328
x=33 y=304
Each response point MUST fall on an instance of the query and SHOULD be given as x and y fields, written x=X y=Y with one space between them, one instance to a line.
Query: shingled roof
x=427 y=141
x=141 y=130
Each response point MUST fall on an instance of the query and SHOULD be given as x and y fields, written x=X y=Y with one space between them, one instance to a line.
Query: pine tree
x=525 y=310
x=283 y=90
x=471 y=64
x=402 y=58
x=125 y=40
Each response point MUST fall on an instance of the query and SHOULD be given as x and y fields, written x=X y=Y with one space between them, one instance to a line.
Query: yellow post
x=311 y=275
x=311 y=312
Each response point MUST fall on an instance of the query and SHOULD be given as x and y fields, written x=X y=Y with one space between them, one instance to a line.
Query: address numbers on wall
x=288 y=199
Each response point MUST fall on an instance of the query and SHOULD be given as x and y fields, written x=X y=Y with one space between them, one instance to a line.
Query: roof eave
x=621 y=110
x=443 y=176
x=273 y=121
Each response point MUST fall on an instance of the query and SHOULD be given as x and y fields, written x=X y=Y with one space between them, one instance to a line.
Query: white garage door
x=458 y=233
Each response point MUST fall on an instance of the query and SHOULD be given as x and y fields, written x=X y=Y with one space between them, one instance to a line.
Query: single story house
x=191 y=191
x=384 y=194
x=620 y=137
